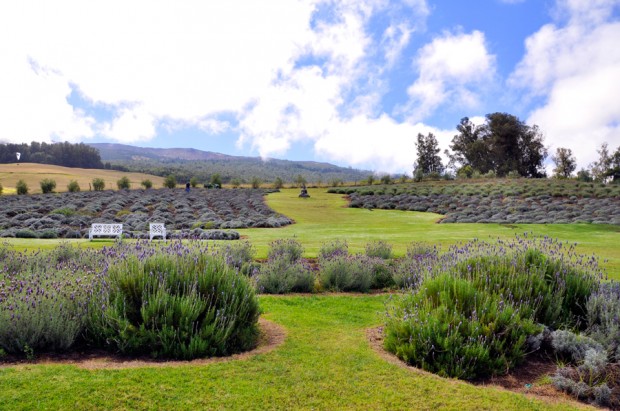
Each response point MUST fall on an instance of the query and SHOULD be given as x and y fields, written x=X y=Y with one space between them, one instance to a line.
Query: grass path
x=324 y=217
x=325 y=363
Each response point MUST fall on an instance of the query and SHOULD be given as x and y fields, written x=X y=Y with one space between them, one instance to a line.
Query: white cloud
x=282 y=71
x=575 y=67
x=383 y=143
x=448 y=67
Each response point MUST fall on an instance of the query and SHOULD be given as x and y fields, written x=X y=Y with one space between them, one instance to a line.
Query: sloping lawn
x=324 y=363
x=324 y=217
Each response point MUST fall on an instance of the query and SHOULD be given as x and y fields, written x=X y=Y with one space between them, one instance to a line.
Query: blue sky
x=350 y=82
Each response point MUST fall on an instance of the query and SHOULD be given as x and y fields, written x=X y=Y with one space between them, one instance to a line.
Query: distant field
x=33 y=173
x=324 y=217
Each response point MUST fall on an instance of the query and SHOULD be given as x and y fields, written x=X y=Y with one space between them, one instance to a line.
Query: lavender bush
x=528 y=280
x=179 y=303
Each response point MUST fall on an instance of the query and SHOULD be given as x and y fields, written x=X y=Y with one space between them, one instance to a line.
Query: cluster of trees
x=60 y=154
x=503 y=146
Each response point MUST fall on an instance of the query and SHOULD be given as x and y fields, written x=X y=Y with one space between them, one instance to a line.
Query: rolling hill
x=186 y=163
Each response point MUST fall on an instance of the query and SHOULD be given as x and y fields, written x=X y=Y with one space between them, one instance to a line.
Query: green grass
x=324 y=217
x=325 y=363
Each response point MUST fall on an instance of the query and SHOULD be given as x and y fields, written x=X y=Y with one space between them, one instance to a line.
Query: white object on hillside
x=157 y=229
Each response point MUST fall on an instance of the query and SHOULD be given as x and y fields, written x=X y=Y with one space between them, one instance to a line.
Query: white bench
x=157 y=229
x=105 y=230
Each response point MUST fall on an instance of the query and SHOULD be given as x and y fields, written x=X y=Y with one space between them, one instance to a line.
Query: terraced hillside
x=497 y=201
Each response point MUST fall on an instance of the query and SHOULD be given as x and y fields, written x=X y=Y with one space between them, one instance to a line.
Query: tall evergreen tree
x=428 y=160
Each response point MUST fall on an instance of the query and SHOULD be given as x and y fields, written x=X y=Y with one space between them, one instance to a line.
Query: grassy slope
x=324 y=217
x=33 y=173
x=325 y=363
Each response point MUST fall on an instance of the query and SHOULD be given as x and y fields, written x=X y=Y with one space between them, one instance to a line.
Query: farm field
x=325 y=362
x=33 y=173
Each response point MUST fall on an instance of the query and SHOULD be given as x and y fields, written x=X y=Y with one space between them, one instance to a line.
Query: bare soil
x=271 y=336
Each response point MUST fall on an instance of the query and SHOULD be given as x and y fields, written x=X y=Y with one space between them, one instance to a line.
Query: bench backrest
x=157 y=228
x=107 y=229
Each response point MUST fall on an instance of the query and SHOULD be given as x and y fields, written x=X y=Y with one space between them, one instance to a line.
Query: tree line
x=60 y=154
x=506 y=146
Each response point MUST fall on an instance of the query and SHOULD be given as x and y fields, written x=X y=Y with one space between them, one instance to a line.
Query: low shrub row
x=69 y=215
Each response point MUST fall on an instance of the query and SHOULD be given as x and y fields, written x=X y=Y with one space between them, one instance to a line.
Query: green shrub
x=239 y=254
x=451 y=328
x=333 y=248
x=278 y=183
x=279 y=275
x=346 y=273
x=21 y=187
x=193 y=182
x=291 y=250
x=379 y=249
x=382 y=274
x=256 y=182
x=48 y=234
x=123 y=183
x=170 y=181
x=25 y=234
x=98 y=184
x=73 y=186
x=47 y=185
x=147 y=184
x=177 y=306
x=1 y=188
x=235 y=183
x=66 y=211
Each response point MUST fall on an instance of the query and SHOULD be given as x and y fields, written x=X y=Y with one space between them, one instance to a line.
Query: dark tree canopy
x=503 y=144
x=428 y=160
x=60 y=154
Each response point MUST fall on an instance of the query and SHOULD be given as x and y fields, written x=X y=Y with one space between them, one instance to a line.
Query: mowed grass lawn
x=324 y=217
x=325 y=363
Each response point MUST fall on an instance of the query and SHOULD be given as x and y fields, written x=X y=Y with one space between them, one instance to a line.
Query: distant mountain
x=186 y=163
x=113 y=152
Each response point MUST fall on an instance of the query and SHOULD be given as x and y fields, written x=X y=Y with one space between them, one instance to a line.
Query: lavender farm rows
x=71 y=214
x=497 y=201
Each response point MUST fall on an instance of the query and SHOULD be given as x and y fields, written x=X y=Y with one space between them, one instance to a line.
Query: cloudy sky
x=350 y=82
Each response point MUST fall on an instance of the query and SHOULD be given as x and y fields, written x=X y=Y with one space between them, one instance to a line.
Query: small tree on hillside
x=300 y=180
x=565 y=162
x=1 y=188
x=600 y=167
x=170 y=181
x=193 y=182
x=21 y=187
x=428 y=160
x=256 y=182
x=370 y=179
x=73 y=186
x=235 y=182
x=47 y=185
x=98 y=184
x=123 y=183
x=278 y=183
x=386 y=179
x=147 y=184
x=216 y=180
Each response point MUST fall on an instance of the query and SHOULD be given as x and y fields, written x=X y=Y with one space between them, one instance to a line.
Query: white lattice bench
x=157 y=229
x=105 y=230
